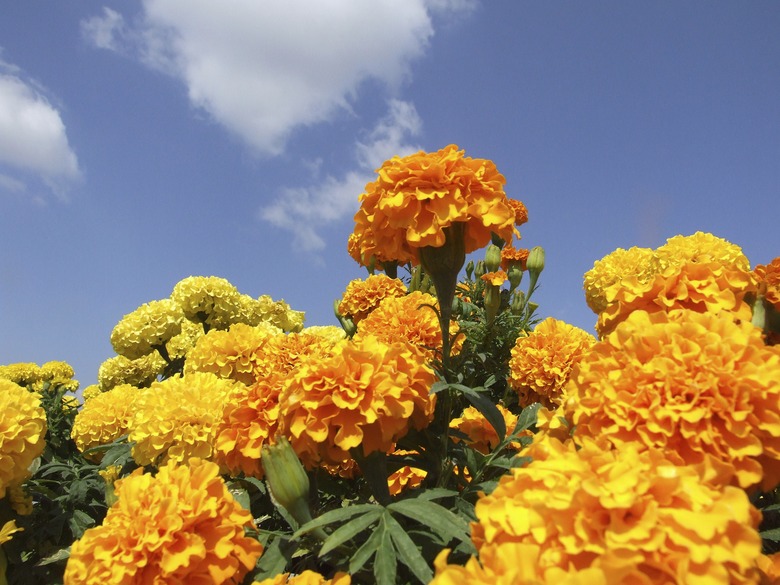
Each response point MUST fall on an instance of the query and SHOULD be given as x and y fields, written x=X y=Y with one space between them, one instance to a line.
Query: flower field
x=443 y=430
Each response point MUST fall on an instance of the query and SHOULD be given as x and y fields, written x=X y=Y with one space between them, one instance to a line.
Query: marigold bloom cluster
x=497 y=278
x=480 y=434
x=363 y=296
x=406 y=477
x=768 y=276
x=542 y=361
x=699 y=272
x=306 y=578
x=22 y=432
x=630 y=514
x=119 y=370
x=210 y=300
x=521 y=212
x=409 y=318
x=696 y=385
x=146 y=329
x=511 y=256
x=177 y=418
x=21 y=373
x=105 y=417
x=415 y=198
x=367 y=395
x=180 y=526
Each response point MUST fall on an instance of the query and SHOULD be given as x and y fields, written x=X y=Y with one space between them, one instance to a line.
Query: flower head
x=177 y=418
x=307 y=577
x=768 y=276
x=635 y=266
x=521 y=212
x=105 y=417
x=140 y=372
x=511 y=256
x=363 y=296
x=210 y=300
x=543 y=361
x=367 y=396
x=22 y=432
x=480 y=434
x=180 y=526
x=415 y=198
x=495 y=278
x=147 y=328
x=697 y=385
x=22 y=373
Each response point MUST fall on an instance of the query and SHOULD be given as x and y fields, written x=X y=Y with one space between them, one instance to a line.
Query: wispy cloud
x=33 y=138
x=304 y=211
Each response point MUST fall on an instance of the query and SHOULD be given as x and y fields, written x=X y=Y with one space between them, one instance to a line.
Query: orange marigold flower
x=697 y=385
x=699 y=272
x=105 y=417
x=521 y=212
x=543 y=361
x=367 y=395
x=22 y=432
x=495 y=278
x=177 y=418
x=408 y=318
x=479 y=432
x=511 y=256
x=636 y=266
x=769 y=569
x=180 y=526
x=768 y=276
x=363 y=296
x=633 y=514
x=405 y=477
x=306 y=578
x=233 y=353
x=250 y=417
x=415 y=198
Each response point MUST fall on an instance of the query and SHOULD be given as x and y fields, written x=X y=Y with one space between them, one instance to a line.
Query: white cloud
x=263 y=69
x=33 y=139
x=305 y=210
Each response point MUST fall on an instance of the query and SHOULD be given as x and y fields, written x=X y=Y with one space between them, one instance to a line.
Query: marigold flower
x=57 y=369
x=632 y=514
x=121 y=370
x=769 y=569
x=178 y=418
x=636 y=266
x=22 y=373
x=363 y=296
x=697 y=385
x=521 y=212
x=768 y=276
x=415 y=198
x=180 y=526
x=233 y=353
x=22 y=432
x=306 y=578
x=367 y=395
x=19 y=499
x=209 y=300
x=543 y=361
x=105 y=417
x=495 y=278
x=147 y=328
x=406 y=477
x=479 y=432
x=279 y=314
x=90 y=392
x=409 y=318
x=511 y=256
x=330 y=333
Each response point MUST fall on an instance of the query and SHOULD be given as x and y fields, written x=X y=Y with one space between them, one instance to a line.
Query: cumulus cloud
x=33 y=139
x=261 y=69
x=304 y=211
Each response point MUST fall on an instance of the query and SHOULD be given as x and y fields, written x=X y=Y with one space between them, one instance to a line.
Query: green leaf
x=334 y=516
x=79 y=523
x=439 y=386
x=771 y=508
x=527 y=418
x=350 y=529
x=408 y=552
x=386 y=563
x=436 y=517
x=772 y=534
x=276 y=555
x=436 y=494
x=55 y=557
x=365 y=552
x=488 y=409
x=239 y=493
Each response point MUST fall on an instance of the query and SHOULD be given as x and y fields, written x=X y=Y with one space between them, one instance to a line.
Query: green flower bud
x=492 y=258
x=492 y=302
x=287 y=479
x=470 y=269
x=480 y=271
x=518 y=303
x=535 y=263
x=515 y=275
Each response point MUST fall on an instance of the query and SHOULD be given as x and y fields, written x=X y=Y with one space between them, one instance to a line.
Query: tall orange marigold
x=363 y=296
x=180 y=526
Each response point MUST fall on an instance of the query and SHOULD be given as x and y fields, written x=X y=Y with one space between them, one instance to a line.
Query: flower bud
x=492 y=302
x=518 y=303
x=492 y=258
x=287 y=479
x=515 y=274
x=480 y=269
x=469 y=269
x=535 y=263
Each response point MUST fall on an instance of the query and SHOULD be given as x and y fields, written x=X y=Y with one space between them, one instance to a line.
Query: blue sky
x=143 y=142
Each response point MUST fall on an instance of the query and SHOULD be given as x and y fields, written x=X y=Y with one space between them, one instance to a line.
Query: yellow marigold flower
x=512 y=563
x=22 y=432
x=22 y=373
x=407 y=318
x=110 y=474
x=768 y=276
x=121 y=370
x=543 y=361
x=636 y=266
x=105 y=417
x=210 y=300
x=701 y=248
x=415 y=198
x=90 y=392
x=177 y=418
x=8 y=530
x=233 y=353
x=363 y=296
x=633 y=514
x=697 y=385
x=179 y=346
x=279 y=314
x=495 y=278
x=146 y=329
x=479 y=432
x=513 y=256
x=521 y=212
x=306 y=578
x=56 y=370
x=368 y=395
x=180 y=526
x=330 y=333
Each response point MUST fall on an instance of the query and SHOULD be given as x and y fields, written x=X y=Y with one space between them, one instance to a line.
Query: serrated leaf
x=436 y=517
x=365 y=552
x=527 y=418
x=350 y=530
x=385 y=563
x=439 y=386
x=60 y=555
x=274 y=560
x=772 y=534
x=407 y=551
x=339 y=515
